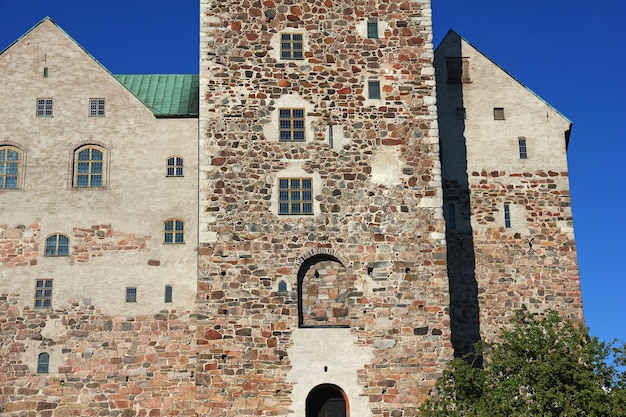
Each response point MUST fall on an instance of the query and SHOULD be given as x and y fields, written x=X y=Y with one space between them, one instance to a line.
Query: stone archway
x=326 y=400
x=324 y=288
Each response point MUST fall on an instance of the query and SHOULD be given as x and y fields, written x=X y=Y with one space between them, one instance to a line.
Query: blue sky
x=570 y=52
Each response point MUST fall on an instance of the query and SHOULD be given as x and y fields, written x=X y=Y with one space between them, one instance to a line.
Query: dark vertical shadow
x=464 y=308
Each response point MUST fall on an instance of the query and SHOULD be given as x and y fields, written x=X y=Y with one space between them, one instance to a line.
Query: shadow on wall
x=452 y=71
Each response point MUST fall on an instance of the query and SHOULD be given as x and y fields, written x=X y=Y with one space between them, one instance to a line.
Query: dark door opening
x=326 y=401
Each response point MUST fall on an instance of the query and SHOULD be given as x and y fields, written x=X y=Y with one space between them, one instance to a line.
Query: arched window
x=175 y=166
x=57 y=245
x=326 y=400
x=174 y=231
x=43 y=363
x=282 y=286
x=89 y=169
x=10 y=167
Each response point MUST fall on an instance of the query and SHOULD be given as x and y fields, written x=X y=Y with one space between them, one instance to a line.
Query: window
x=291 y=46
x=44 y=107
x=507 y=216
x=43 y=293
x=458 y=70
x=460 y=113
x=295 y=196
x=10 y=163
x=174 y=231
x=96 y=107
x=89 y=167
x=372 y=28
x=451 y=215
x=498 y=113
x=373 y=89
x=131 y=294
x=174 y=166
x=282 y=286
x=168 y=293
x=57 y=245
x=43 y=363
x=523 y=152
x=291 y=125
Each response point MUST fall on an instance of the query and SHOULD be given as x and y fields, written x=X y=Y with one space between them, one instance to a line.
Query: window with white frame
x=57 y=245
x=174 y=231
x=523 y=151
x=10 y=167
x=295 y=196
x=89 y=167
x=174 y=166
x=44 y=107
x=96 y=107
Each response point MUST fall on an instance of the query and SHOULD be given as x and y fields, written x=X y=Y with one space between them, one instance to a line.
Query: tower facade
x=507 y=204
x=322 y=255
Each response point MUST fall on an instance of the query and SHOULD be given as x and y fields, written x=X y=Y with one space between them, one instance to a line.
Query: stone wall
x=100 y=365
x=498 y=265
x=375 y=173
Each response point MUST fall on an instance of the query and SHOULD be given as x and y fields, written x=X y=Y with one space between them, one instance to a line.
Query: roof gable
x=452 y=36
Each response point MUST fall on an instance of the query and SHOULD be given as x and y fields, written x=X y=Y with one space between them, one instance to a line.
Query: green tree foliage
x=543 y=367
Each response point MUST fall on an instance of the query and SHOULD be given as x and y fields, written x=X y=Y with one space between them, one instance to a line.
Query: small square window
x=372 y=28
x=291 y=46
x=44 y=107
x=373 y=89
x=96 y=107
x=291 y=125
x=523 y=152
x=498 y=113
x=460 y=113
x=131 y=294
x=43 y=293
x=295 y=196
x=168 y=294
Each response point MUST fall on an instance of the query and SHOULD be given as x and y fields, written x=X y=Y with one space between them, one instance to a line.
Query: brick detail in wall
x=20 y=245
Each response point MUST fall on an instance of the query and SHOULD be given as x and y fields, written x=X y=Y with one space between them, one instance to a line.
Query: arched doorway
x=326 y=401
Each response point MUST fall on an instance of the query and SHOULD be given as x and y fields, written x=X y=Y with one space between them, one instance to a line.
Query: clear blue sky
x=570 y=52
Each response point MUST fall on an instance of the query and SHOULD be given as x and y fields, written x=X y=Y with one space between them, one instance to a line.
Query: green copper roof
x=167 y=95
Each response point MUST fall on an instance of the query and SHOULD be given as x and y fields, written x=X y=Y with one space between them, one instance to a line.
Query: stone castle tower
x=322 y=266
x=367 y=208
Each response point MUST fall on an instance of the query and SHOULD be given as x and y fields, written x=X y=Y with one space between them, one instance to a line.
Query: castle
x=312 y=226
